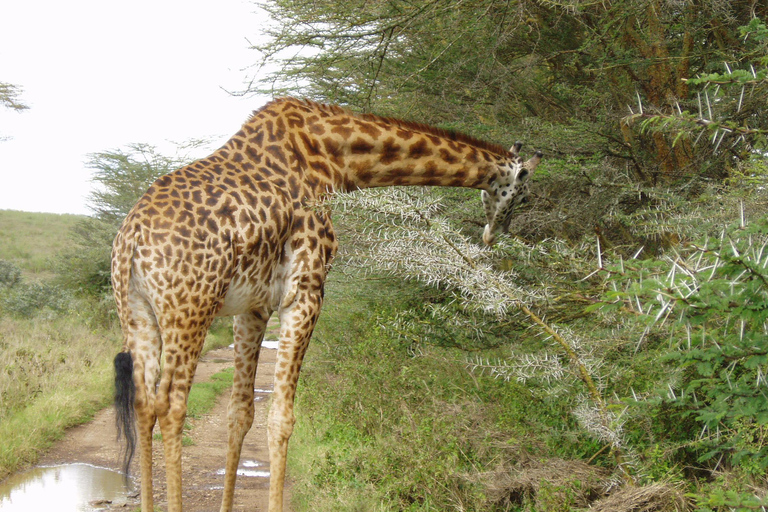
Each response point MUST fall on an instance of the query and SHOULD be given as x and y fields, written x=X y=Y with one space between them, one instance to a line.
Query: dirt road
x=203 y=462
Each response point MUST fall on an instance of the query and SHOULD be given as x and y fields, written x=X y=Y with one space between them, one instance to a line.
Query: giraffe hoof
x=488 y=237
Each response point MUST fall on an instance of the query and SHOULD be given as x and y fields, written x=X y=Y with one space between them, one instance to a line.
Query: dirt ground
x=203 y=462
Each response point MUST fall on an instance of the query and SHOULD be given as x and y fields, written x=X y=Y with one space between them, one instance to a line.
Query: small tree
x=9 y=96
x=121 y=177
x=728 y=114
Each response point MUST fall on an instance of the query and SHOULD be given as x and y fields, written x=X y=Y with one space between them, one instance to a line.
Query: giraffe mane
x=452 y=135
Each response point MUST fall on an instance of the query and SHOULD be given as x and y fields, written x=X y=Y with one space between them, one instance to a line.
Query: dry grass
x=657 y=497
x=557 y=484
x=547 y=484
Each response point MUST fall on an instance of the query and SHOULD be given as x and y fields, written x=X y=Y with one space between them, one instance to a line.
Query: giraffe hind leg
x=136 y=372
x=181 y=351
x=248 y=333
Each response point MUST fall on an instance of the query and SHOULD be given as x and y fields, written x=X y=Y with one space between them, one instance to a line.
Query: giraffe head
x=506 y=192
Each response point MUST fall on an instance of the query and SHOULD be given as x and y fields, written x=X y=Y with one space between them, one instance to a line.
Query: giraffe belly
x=239 y=300
x=248 y=293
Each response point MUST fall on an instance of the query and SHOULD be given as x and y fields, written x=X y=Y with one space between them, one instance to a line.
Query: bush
x=713 y=300
x=27 y=300
x=10 y=274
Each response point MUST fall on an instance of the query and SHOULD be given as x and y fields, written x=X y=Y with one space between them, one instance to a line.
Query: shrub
x=713 y=299
x=27 y=300
x=10 y=274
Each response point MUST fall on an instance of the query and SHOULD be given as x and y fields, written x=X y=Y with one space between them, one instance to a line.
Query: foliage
x=730 y=501
x=10 y=274
x=22 y=299
x=544 y=68
x=27 y=300
x=729 y=109
x=590 y=342
x=715 y=293
x=121 y=176
x=9 y=96
x=411 y=240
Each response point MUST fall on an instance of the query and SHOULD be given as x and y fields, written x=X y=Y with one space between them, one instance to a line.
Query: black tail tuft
x=125 y=392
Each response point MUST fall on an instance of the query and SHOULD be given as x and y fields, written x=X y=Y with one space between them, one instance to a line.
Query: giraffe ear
x=531 y=165
x=515 y=149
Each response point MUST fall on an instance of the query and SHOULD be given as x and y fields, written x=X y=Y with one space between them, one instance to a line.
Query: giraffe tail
x=125 y=391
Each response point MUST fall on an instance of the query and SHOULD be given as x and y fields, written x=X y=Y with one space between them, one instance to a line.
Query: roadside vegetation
x=54 y=352
x=612 y=381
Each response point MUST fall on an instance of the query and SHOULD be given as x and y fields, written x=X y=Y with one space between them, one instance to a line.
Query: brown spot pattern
x=238 y=233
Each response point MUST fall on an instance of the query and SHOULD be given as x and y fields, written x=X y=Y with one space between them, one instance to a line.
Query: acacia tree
x=121 y=177
x=9 y=96
x=546 y=67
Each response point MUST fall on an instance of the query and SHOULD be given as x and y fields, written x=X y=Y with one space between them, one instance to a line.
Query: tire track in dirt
x=203 y=462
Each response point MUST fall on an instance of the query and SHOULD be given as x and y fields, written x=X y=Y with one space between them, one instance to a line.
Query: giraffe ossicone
x=237 y=234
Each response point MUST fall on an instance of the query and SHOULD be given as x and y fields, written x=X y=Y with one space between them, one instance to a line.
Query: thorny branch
x=477 y=281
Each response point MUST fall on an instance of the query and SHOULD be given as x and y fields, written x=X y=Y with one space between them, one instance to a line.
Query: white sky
x=98 y=75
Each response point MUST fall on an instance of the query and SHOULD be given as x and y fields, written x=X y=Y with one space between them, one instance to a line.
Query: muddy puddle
x=66 y=488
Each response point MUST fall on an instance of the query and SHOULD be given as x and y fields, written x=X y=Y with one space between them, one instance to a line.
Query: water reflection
x=246 y=471
x=68 y=488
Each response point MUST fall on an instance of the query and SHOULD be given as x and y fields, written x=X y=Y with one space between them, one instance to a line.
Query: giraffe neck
x=342 y=151
x=378 y=153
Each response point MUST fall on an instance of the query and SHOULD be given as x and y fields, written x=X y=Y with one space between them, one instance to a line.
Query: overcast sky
x=100 y=75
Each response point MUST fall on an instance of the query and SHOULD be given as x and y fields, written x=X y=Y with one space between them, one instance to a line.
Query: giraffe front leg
x=297 y=322
x=248 y=334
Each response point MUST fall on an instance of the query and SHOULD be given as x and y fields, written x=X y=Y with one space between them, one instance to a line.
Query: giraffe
x=239 y=234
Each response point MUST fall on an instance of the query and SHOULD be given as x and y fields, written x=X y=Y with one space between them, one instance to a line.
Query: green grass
x=203 y=395
x=383 y=427
x=31 y=240
x=56 y=373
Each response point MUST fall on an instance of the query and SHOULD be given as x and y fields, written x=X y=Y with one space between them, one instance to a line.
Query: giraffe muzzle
x=501 y=202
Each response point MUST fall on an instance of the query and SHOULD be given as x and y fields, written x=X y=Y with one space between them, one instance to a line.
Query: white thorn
x=599 y=254
x=698 y=100
x=741 y=99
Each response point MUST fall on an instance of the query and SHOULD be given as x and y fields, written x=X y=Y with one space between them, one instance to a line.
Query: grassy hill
x=30 y=240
